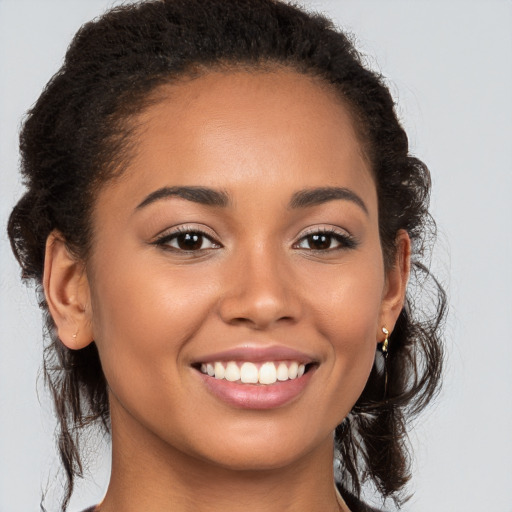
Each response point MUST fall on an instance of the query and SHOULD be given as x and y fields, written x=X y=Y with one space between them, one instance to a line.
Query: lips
x=256 y=378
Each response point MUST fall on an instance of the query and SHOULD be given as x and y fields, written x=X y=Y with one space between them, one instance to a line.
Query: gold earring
x=384 y=349
x=385 y=343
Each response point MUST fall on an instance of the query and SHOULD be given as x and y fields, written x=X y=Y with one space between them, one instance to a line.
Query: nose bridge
x=259 y=290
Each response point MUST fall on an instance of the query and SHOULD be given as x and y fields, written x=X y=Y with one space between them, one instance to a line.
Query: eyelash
x=344 y=241
x=164 y=240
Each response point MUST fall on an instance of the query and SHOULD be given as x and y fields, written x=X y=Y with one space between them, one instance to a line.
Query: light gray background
x=449 y=65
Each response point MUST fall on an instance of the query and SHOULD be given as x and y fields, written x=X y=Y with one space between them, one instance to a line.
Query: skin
x=257 y=280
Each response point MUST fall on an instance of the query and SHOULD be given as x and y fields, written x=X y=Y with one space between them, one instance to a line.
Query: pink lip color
x=257 y=354
x=256 y=396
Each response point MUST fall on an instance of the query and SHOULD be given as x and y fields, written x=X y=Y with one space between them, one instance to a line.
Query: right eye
x=187 y=240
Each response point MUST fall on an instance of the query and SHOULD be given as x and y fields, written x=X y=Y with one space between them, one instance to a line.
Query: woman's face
x=243 y=236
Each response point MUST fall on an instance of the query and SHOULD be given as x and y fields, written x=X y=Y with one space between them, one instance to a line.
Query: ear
x=67 y=293
x=396 y=283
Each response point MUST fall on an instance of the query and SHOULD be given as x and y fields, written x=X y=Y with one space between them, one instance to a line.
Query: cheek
x=142 y=318
x=349 y=318
x=348 y=302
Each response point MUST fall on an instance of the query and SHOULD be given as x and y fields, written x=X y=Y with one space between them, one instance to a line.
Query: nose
x=260 y=291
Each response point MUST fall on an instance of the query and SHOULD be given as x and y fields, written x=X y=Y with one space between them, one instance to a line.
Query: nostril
x=259 y=322
x=260 y=305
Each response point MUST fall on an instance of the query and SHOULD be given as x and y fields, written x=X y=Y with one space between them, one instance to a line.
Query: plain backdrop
x=449 y=65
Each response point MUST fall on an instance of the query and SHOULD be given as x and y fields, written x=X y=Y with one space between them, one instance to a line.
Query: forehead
x=241 y=128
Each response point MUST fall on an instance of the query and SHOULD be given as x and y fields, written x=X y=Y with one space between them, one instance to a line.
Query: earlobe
x=66 y=291
x=396 y=281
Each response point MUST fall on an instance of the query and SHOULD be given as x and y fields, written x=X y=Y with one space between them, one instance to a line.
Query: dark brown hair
x=70 y=146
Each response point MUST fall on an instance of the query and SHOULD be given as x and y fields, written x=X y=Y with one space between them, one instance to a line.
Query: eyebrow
x=211 y=197
x=201 y=195
x=316 y=196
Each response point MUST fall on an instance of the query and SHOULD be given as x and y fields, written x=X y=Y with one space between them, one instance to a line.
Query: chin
x=271 y=452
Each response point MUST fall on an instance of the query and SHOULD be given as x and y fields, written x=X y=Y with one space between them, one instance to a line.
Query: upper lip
x=257 y=354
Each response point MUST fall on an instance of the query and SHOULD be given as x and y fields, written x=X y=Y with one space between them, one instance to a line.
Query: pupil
x=320 y=241
x=190 y=241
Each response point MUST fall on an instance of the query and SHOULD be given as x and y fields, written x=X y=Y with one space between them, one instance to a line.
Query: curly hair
x=70 y=145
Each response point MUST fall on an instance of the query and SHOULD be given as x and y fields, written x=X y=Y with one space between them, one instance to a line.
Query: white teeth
x=219 y=371
x=268 y=373
x=248 y=372
x=292 y=370
x=232 y=372
x=282 y=372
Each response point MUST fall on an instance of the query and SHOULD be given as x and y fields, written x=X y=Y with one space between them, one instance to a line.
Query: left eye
x=324 y=241
x=188 y=241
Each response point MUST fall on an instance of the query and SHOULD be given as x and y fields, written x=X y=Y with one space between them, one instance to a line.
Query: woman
x=223 y=215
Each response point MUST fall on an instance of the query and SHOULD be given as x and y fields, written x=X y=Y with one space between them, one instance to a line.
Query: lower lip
x=250 y=396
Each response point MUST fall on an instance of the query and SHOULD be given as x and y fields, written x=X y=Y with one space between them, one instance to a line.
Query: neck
x=149 y=474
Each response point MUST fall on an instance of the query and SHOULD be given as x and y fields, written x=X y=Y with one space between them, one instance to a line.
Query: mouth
x=249 y=372
x=256 y=378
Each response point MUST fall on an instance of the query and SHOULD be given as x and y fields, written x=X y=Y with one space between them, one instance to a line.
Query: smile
x=251 y=376
x=247 y=372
